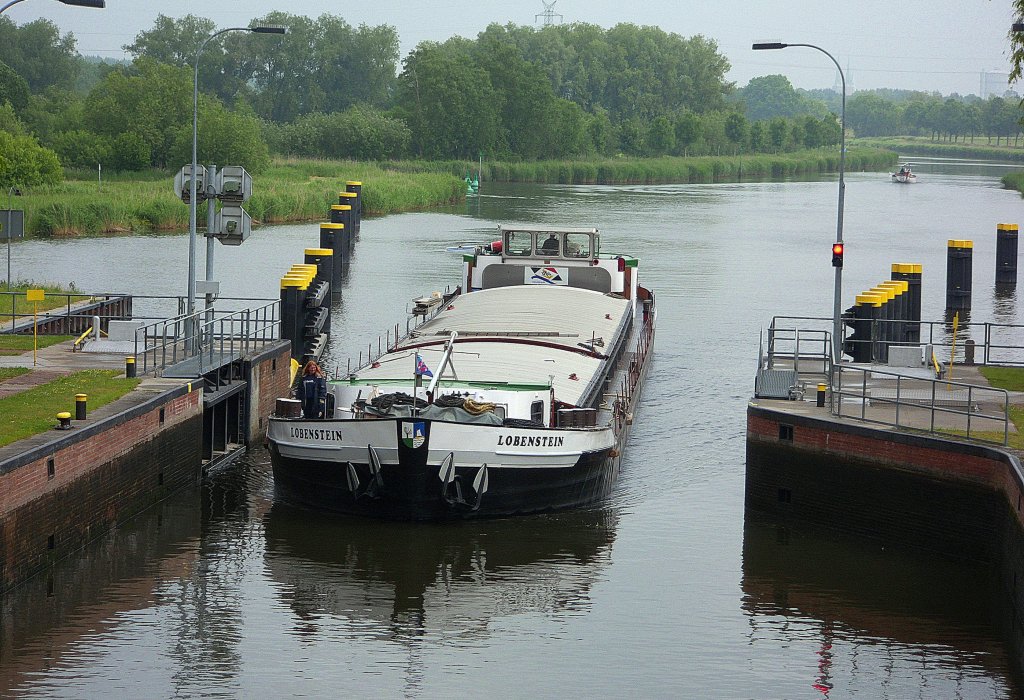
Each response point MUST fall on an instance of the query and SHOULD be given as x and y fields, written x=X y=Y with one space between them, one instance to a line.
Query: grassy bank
x=303 y=190
x=33 y=411
x=923 y=146
x=615 y=171
x=20 y=344
x=1014 y=181
x=291 y=190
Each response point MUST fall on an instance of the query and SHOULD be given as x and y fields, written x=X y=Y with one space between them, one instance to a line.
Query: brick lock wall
x=269 y=379
x=936 y=494
x=105 y=476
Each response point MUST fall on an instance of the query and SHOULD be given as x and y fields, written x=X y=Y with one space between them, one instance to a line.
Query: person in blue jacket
x=312 y=391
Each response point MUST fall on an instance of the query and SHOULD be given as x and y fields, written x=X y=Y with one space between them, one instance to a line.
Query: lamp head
x=768 y=46
x=98 y=4
x=268 y=30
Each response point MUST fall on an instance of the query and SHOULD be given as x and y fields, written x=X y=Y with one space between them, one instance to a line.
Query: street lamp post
x=190 y=303
x=837 y=345
x=99 y=4
x=10 y=193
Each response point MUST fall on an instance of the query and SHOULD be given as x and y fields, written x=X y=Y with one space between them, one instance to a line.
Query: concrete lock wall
x=57 y=497
x=951 y=497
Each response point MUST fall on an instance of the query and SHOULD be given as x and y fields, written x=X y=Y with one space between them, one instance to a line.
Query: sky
x=938 y=45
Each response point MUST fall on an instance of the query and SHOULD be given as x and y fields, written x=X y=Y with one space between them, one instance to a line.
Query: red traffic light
x=837 y=255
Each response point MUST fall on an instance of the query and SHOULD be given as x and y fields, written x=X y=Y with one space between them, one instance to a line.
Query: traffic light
x=837 y=255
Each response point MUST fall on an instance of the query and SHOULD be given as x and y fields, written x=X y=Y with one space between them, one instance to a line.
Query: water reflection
x=1004 y=302
x=80 y=597
x=406 y=580
x=875 y=613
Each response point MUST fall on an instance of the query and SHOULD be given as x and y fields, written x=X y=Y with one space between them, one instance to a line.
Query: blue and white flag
x=421 y=367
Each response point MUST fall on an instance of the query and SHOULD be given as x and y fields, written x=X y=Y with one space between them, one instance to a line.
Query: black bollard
x=900 y=316
x=323 y=259
x=351 y=199
x=80 y=405
x=332 y=237
x=859 y=343
x=911 y=274
x=959 y=259
x=342 y=214
x=318 y=300
x=355 y=187
x=1006 y=253
x=821 y=395
x=883 y=336
x=129 y=367
x=293 y=298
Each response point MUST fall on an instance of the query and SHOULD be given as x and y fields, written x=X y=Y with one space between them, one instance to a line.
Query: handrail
x=992 y=337
x=226 y=334
x=388 y=341
x=903 y=402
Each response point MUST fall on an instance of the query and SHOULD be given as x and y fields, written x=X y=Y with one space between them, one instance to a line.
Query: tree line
x=887 y=112
x=329 y=90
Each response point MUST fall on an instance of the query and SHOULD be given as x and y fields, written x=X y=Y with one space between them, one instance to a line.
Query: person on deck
x=550 y=246
x=312 y=391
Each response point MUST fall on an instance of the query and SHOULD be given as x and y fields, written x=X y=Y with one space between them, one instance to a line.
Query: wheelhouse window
x=537 y=412
x=549 y=244
x=518 y=243
x=577 y=245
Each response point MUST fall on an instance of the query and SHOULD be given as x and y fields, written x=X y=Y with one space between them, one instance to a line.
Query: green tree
x=23 y=162
x=661 y=136
x=736 y=129
x=773 y=96
x=82 y=149
x=758 y=137
x=173 y=41
x=571 y=136
x=632 y=135
x=149 y=99
x=601 y=132
x=13 y=88
x=152 y=103
x=870 y=115
x=525 y=100
x=360 y=133
x=38 y=53
x=52 y=112
x=448 y=102
x=688 y=129
x=778 y=130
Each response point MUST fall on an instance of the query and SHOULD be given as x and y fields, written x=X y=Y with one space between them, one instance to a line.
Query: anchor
x=453 y=488
x=374 y=485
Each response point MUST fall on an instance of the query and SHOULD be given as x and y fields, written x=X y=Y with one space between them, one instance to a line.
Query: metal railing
x=75 y=312
x=390 y=338
x=167 y=342
x=984 y=343
x=793 y=344
x=931 y=405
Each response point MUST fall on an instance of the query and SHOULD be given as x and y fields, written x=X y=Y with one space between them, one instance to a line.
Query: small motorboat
x=904 y=175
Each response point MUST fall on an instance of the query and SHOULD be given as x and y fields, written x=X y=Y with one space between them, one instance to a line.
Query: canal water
x=667 y=589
